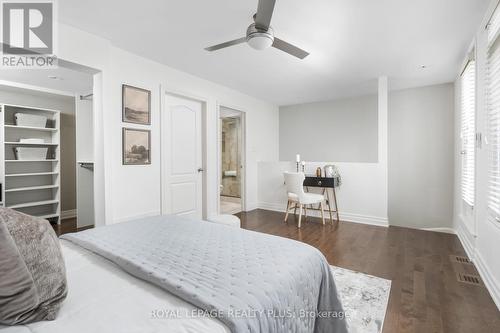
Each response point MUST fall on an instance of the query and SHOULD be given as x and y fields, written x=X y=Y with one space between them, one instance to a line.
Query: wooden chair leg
x=295 y=209
x=300 y=214
x=336 y=206
x=329 y=206
x=322 y=213
x=287 y=210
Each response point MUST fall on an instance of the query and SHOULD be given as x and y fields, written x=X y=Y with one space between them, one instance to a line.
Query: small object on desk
x=303 y=166
x=297 y=158
x=329 y=171
x=318 y=172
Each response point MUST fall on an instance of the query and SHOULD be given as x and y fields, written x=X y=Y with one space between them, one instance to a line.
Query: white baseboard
x=347 y=217
x=443 y=230
x=251 y=206
x=364 y=219
x=491 y=283
x=467 y=240
x=68 y=214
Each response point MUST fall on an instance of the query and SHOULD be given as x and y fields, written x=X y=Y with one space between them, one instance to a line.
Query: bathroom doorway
x=231 y=160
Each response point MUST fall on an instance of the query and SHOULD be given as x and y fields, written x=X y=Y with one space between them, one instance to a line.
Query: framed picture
x=136 y=105
x=136 y=146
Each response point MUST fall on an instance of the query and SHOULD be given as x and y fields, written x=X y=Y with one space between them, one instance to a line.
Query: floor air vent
x=469 y=279
x=460 y=259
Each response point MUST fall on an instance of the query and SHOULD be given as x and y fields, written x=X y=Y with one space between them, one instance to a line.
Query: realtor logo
x=28 y=34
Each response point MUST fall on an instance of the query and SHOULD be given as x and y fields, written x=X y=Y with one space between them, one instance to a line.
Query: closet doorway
x=47 y=144
x=231 y=152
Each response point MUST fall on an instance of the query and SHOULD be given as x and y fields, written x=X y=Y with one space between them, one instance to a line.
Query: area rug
x=364 y=298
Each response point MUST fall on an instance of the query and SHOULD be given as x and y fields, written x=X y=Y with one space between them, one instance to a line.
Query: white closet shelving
x=31 y=186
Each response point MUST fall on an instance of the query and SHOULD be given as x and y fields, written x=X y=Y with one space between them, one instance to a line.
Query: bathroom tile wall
x=231 y=172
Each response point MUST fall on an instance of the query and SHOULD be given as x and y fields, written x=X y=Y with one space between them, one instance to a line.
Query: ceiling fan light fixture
x=260 y=41
x=260 y=35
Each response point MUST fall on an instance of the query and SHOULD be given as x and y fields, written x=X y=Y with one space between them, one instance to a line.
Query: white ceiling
x=351 y=42
x=59 y=79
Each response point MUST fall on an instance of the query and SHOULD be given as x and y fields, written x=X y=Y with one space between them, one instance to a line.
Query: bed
x=159 y=274
x=108 y=299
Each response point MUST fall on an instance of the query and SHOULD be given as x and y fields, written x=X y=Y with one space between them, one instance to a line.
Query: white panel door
x=184 y=156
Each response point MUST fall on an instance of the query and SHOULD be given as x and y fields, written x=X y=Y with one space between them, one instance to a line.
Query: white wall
x=480 y=237
x=134 y=191
x=363 y=195
x=342 y=130
x=421 y=156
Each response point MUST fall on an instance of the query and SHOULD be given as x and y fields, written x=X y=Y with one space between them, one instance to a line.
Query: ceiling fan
x=260 y=34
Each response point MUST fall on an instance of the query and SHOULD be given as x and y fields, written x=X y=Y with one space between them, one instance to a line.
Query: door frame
x=243 y=156
x=165 y=151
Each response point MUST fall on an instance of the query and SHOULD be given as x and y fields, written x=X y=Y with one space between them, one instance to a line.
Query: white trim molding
x=467 y=240
x=491 y=283
x=345 y=217
x=68 y=214
x=442 y=230
x=251 y=206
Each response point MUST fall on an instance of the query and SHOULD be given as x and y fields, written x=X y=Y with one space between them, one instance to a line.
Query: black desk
x=325 y=184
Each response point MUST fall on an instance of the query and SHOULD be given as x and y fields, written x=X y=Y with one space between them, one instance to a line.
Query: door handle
x=200 y=170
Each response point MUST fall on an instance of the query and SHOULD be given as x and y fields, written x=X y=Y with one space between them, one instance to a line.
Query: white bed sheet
x=102 y=298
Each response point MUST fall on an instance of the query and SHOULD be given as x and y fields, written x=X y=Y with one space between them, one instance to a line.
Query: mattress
x=104 y=298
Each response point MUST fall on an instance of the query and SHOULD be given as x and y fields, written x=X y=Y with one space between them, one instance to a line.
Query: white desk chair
x=296 y=195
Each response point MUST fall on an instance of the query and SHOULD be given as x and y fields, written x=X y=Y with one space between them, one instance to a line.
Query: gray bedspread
x=251 y=281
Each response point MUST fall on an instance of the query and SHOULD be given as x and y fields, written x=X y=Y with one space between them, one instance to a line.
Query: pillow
x=32 y=272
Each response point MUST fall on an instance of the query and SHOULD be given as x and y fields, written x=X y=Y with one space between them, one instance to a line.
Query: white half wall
x=134 y=191
x=362 y=197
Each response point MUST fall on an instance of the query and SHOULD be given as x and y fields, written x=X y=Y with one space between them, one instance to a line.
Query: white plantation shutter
x=493 y=118
x=494 y=27
x=468 y=130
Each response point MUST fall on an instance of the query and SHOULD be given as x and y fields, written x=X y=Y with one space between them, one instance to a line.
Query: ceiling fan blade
x=289 y=48
x=264 y=14
x=226 y=44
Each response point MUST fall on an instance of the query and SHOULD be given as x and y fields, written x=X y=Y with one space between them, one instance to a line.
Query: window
x=493 y=118
x=468 y=130
x=494 y=26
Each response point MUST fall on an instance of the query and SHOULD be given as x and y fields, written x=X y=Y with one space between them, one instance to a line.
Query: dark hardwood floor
x=425 y=294
x=67 y=226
